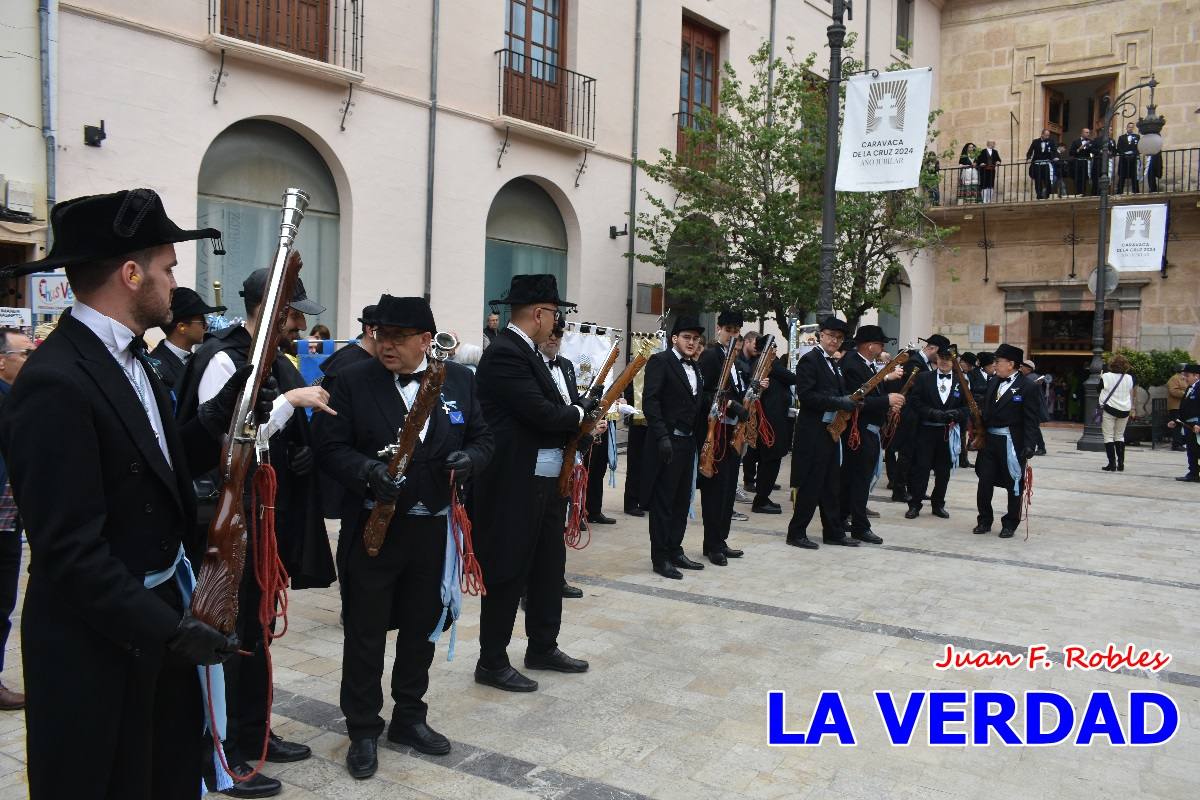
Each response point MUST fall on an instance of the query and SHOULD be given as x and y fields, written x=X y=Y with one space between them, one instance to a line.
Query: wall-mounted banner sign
x=883 y=136
x=1136 y=238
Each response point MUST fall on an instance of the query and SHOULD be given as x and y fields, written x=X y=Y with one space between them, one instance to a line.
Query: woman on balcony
x=968 y=176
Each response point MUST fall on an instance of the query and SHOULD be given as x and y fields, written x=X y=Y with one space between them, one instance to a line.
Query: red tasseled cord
x=888 y=432
x=577 y=523
x=1028 y=501
x=855 y=439
x=471 y=579
x=766 y=434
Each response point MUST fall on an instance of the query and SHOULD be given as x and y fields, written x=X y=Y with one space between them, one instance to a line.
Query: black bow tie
x=406 y=379
x=942 y=377
x=688 y=362
x=554 y=362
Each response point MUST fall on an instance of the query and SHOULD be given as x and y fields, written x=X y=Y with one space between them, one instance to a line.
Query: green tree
x=739 y=224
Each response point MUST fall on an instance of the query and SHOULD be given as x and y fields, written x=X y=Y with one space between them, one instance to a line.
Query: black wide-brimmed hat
x=687 y=324
x=405 y=312
x=834 y=324
x=526 y=290
x=186 y=304
x=255 y=287
x=986 y=360
x=370 y=315
x=937 y=340
x=871 y=333
x=969 y=358
x=730 y=317
x=1013 y=354
x=102 y=226
x=1191 y=369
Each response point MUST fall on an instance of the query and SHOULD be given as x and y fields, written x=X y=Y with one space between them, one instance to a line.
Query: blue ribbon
x=873 y=428
x=956 y=446
x=612 y=459
x=692 y=496
x=1014 y=465
x=827 y=418
x=451 y=590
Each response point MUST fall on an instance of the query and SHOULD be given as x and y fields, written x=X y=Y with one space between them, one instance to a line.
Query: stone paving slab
x=675 y=705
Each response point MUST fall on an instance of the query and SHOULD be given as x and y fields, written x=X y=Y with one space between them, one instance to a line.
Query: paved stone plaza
x=675 y=704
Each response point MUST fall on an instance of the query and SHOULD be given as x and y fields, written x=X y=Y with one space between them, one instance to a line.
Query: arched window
x=242 y=180
x=525 y=236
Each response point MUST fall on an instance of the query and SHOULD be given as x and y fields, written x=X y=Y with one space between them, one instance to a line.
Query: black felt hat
x=687 y=324
x=834 y=324
x=937 y=340
x=730 y=317
x=969 y=357
x=405 y=312
x=1191 y=369
x=871 y=333
x=525 y=290
x=102 y=226
x=255 y=287
x=1013 y=354
x=370 y=315
x=986 y=360
x=186 y=304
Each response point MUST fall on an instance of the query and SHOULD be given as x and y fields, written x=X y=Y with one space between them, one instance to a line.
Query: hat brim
x=51 y=263
x=307 y=307
x=504 y=301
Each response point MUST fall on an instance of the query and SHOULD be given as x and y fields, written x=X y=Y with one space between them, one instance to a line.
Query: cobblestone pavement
x=675 y=704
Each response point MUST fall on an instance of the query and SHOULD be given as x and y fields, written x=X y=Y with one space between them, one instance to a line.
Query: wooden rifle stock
x=747 y=432
x=572 y=447
x=842 y=418
x=978 y=434
x=707 y=450
x=402 y=451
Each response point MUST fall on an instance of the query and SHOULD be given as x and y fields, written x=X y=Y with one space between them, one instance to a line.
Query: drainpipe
x=433 y=107
x=633 y=173
x=48 y=30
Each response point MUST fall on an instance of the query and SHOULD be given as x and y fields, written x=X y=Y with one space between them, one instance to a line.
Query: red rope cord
x=1028 y=501
x=577 y=523
x=471 y=579
x=720 y=438
x=888 y=431
x=855 y=439
x=766 y=433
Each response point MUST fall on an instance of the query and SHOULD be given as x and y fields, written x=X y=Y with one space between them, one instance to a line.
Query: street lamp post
x=837 y=38
x=1150 y=143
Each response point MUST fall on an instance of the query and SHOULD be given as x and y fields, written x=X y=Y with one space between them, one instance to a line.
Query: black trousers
x=717 y=495
x=247 y=677
x=633 y=466
x=768 y=474
x=750 y=463
x=597 y=467
x=669 y=496
x=857 y=473
x=540 y=579
x=10 y=575
x=821 y=489
x=1193 y=450
x=1081 y=173
x=932 y=454
x=1041 y=178
x=991 y=466
x=399 y=588
x=1127 y=170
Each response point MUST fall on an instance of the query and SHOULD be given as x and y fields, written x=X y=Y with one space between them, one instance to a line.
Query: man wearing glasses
x=17 y=347
x=184 y=334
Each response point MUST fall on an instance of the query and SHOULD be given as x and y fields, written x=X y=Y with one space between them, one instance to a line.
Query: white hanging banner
x=587 y=348
x=1136 y=238
x=883 y=136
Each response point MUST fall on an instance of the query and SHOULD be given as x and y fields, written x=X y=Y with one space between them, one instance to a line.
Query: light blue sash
x=956 y=446
x=692 y=496
x=612 y=459
x=873 y=428
x=1014 y=465
x=827 y=418
x=451 y=590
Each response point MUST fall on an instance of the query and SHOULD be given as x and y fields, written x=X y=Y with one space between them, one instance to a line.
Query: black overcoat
x=816 y=387
x=170 y=367
x=669 y=405
x=1018 y=410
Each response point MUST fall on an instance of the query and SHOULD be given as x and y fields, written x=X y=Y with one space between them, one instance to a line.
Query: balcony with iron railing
x=323 y=38
x=545 y=99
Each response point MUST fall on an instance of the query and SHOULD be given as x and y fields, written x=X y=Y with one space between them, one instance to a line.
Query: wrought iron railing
x=1175 y=171
x=546 y=94
x=324 y=30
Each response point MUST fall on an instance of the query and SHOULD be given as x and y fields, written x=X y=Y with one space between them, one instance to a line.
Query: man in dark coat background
x=899 y=454
x=776 y=399
x=186 y=331
x=518 y=512
x=941 y=411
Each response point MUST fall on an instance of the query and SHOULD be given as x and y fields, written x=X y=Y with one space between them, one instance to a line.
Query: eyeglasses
x=393 y=336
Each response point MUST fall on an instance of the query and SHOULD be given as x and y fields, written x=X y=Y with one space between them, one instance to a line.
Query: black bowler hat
x=405 y=312
x=761 y=341
x=969 y=358
x=369 y=315
x=835 y=324
x=1191 y=369
x=1013 y=354
x=687 y=324
x=101 y=226
x=986 y=360
x=938 y=340
x=871 y=333
x=255 y=287
x=730 y=317
x=186 y=304
x=526 y=290
x=945 y=352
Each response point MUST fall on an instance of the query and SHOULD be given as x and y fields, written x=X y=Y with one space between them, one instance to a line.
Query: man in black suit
x=1127 y=158
x=1010 y=414
x=634 y=444
x=1187 y=418
x=899 y=455
x=1041 y=155
x=109 y=648
x=862 y=465
x=673 y=402
x=816 y=457
x=776 y=399
x=1083 y=152
x=518 y=511
x=401 y=587
x=186 y=330
x=941 y=411
x=969 y=365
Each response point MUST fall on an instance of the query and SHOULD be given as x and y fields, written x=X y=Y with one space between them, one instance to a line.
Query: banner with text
x=1137 y=237
x=883 y=137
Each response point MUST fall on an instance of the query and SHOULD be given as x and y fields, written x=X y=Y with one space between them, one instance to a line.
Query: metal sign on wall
x=883 y=136
x=49 y=293
x=1137 y=237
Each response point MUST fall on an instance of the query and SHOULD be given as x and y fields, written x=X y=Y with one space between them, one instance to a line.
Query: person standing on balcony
x=968 y=176
x=986 y=162
x=1127 y=158
x=1063 y=166
x=1041 y=155
x=1083 y=151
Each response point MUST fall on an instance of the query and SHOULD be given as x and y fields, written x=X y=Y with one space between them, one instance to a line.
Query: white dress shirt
x=219 y=370
x=945 y=382
x=560 y=380
x=180 y=353
x=408 y=393
x=689 y=369
x=1005 y=385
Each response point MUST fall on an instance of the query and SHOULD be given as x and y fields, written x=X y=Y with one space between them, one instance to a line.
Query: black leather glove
x=588 y=404
x=382 y=484
x=459 y=462
x=200 y=643
x=1027 y=453
x=844 y=403
x=215 y=414
x=585 y=443
x=735 y=409
x=665 y=451
x=300 y=459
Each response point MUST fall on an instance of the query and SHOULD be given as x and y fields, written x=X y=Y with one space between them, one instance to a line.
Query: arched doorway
x=525 y=235
x=242 y=179
x=889 y=310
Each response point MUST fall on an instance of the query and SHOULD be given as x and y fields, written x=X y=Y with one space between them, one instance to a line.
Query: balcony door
x=295 y=26
x=697 y=76
x=534 y=81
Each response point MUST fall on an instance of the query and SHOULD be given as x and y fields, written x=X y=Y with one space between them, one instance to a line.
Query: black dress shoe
x=766 y=508
x=1041 y=451
x=912 y=513
x=281 y=752
x=600 y=519
x=731 y=553
x=942 y=513
x=803 y=542
x=844 y=541
x=1189 y=478
x=872 y=514
x=555 y=660
x=683 y=562
x=901 y=497
x=667 y=570
x=635 y=512
x=419 y=737
x=718 y=558
x=982 y=528
x=573 y=592
x=258 y=786
x=1006 y=533
x=505 y=678
x=362 y=759
x=868 y=537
